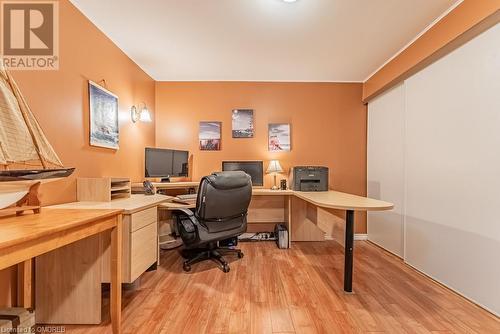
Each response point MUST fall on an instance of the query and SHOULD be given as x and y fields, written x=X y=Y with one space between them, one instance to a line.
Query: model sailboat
x=26 y=156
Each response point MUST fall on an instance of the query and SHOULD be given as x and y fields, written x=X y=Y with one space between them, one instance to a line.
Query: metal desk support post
x=348 y=253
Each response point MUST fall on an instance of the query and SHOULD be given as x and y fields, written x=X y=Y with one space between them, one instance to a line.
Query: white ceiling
x=262 y=40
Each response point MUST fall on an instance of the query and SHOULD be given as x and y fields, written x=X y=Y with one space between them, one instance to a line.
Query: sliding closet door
x=386 y=168
x=453 y=170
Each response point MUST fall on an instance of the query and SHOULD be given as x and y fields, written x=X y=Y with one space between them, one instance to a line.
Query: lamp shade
x=145 y=116
x=274 y=167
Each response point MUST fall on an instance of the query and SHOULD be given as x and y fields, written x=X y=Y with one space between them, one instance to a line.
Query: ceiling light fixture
x=289 y=1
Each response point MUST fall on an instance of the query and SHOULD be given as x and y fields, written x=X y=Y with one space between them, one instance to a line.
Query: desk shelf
x=104 y=189
x=119 y=188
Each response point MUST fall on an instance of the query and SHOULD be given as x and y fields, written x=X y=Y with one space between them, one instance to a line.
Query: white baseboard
x=446 y=286
x=357 y=236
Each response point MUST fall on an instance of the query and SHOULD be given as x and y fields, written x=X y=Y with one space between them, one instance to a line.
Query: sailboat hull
x=34 y=174
x=15 y=184
x=12 y=195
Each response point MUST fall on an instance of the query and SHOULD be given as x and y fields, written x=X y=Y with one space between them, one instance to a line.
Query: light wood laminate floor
x=295 y=291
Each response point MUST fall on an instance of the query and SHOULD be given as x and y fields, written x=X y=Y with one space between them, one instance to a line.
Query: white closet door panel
x=453 y=170
x=386 y=168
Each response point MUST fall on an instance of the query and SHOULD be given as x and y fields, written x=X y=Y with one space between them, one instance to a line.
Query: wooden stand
x=30 y=201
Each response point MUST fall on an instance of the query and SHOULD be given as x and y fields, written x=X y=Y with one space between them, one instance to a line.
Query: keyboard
x=187 y=197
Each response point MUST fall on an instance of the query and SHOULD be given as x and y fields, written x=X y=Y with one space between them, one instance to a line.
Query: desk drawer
x=143 y=218
x=143 y=249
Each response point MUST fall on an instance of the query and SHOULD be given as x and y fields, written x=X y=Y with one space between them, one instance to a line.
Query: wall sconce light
x=140 y=113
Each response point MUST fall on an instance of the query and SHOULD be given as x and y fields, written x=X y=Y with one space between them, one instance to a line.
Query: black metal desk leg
x=348 y=253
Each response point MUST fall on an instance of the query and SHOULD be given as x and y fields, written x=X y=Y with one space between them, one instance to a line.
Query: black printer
x=309 y=178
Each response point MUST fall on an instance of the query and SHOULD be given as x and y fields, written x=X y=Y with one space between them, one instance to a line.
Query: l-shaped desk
x=308 y=215
x=350 y=203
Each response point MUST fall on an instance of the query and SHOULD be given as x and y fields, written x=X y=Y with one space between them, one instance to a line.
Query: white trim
x=257 y=81
x=385 y=249
x=357 y=236
x=446 y=12
x=405 y=167
x=452 y=289
x=436 y=280
x=360 y=236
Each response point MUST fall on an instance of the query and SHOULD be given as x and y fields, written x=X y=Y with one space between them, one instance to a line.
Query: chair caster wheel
x=225 y=268
x=186 y=267
x=240 y=255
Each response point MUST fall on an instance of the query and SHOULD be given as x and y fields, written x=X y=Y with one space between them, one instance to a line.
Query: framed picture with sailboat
x=104 y=125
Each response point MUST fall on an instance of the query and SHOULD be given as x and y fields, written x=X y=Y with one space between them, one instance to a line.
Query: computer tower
x=281 y=234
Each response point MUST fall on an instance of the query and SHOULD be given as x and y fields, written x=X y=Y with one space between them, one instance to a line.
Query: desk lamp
x=274 y=168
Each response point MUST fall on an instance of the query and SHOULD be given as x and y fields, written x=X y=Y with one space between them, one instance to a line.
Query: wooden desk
x=25 y=237
x=170 y=185
x=304 y=223
x=171 y=206
x=268 y=192
x=139 y=233
x=129 y=206
x=343 y=201
x=300 y=219
x=309 y=224
x=78 y=297
x=350 y=203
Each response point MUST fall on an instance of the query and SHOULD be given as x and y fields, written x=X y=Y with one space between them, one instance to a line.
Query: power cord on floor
x=258 y=236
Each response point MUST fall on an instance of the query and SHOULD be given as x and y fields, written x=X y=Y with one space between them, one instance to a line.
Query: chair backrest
x=223 y=200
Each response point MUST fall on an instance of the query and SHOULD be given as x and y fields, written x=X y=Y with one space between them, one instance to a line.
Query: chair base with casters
x=211 y=252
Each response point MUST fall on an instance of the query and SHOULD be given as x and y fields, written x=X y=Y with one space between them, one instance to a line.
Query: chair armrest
x=186 y=225
x=183 y=212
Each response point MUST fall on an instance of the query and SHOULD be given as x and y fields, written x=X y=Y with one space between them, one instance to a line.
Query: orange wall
x=464 y=22
x=328 y=122
x=59 y=100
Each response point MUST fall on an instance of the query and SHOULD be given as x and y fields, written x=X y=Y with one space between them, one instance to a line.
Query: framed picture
x=279 y=137
x=242 y=121
x=104 y=126
x=210 y=136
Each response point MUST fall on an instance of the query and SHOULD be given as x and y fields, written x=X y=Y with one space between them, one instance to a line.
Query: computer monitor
x=163 y=163
x=253 y=168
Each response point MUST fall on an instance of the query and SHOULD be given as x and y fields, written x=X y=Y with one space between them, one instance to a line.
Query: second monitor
x=253 y=168
x=163 y=163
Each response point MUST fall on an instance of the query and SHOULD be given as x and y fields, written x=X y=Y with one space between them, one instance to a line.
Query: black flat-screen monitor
x=165 y=163
x=253 y=168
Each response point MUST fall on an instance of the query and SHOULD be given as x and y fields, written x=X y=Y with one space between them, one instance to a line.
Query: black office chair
x=220 y=214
